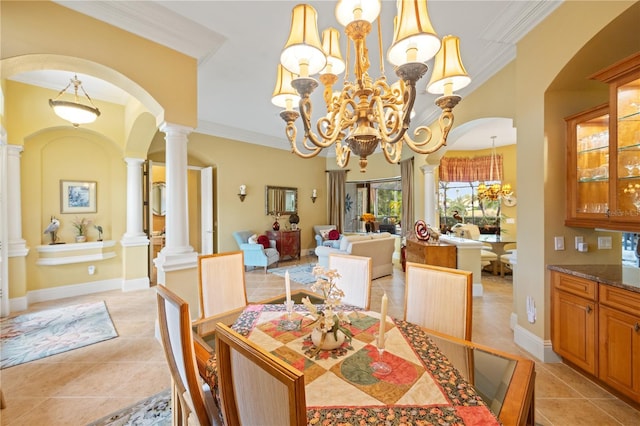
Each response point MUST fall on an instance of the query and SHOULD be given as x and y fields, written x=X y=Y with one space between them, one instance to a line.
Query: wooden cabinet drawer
x=575 y=285
x=621 y=299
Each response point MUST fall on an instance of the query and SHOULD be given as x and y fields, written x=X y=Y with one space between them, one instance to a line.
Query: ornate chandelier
x=495 y=191
x=75 y=112
x=366 y=113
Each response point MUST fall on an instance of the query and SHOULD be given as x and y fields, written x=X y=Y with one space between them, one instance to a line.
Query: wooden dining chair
x=195 y=400
x=256 y=387
x=221 y=283
x=439 y=298
x=355 y=278
x=505 y=261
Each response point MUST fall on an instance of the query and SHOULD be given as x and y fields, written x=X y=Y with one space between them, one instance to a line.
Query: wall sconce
x=243 y=192
x=314 y=195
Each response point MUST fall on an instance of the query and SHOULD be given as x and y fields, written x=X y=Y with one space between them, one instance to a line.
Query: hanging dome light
x=73 y=111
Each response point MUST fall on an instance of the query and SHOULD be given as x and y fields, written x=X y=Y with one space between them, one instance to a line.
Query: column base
x=172 y=261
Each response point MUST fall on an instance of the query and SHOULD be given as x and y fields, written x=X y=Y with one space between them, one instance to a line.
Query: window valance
x=470 y=169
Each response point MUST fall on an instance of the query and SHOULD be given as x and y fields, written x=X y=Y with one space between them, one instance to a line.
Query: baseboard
x=513 y=321
x=478 y=290
x=18 y=304
x=135 y=284
x=539 y=348
x=72 y=290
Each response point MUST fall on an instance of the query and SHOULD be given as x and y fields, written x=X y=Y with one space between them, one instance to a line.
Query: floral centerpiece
x=368 y=219
x=329 y=331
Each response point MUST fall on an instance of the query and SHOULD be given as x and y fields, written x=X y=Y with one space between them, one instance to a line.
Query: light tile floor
x=82 y=385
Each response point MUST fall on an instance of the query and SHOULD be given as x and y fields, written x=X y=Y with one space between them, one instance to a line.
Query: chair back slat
x=439 y=298
x=255 y=386
x=221 y=283
x=355 y=278
x=174 y=321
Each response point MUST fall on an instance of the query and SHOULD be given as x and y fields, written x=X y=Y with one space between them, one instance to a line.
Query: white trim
x=135 y=284
x=53 y=261
x=539 y=348
x=18 y=304
x=135 y=241
x=55 y=248
x=73 y=290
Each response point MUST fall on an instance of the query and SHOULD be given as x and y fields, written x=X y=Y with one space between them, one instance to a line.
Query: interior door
x=206 y=209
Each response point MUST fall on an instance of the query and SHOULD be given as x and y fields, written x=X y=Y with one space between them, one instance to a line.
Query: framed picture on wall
x=78 y=197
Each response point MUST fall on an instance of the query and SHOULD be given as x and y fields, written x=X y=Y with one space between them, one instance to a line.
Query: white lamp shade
x=73 y=112
x=354 y=10
x=448 y=74
x=302 y=54
x=331 y=48
x=414 y=39
x=284 y=95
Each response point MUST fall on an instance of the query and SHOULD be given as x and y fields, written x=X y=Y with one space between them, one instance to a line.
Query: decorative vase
x=276 y=226
x=81 y=238
x=330 y=342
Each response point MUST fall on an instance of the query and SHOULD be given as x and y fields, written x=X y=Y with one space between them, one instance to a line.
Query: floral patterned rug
x=155 y=411
x=36 y=335
x=301 y=273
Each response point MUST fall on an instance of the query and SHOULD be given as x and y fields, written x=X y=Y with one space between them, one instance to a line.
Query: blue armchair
x=255 y=254
x=320 y=241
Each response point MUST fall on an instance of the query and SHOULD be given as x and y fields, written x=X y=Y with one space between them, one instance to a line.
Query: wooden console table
x=287 y=243
x=438 y=254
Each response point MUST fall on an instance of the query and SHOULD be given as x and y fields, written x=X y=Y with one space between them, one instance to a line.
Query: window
x=460 y=199
x=382 y=198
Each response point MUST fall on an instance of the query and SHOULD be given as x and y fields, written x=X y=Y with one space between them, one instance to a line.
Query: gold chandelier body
x=496 y=191
x=365 y=113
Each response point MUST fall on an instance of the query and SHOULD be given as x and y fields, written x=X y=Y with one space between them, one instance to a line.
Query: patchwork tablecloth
x=342 y=388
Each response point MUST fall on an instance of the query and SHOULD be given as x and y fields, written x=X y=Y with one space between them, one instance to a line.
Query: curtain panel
x=406 y=176
x=471 y=169
x=337 y=179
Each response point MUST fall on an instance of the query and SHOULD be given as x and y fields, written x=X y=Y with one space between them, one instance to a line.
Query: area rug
x=155 y=411
x=301 y=273
x=41 y=334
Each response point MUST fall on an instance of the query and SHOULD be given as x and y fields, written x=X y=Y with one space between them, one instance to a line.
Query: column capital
x=428 y=168
x=174 y=129
x=131 y=161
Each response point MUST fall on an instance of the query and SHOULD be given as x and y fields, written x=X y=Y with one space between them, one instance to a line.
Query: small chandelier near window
x=366 y=113
x=73 y=111
x=495 y=191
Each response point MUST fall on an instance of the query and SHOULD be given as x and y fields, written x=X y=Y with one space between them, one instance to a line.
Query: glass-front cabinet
x=603 y=154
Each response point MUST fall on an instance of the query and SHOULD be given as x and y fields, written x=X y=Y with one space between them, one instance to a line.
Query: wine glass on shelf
x=289 y=325
x=631 y=164
x=380 y=366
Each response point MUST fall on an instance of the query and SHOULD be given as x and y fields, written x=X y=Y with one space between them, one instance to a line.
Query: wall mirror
x=158 y=198
x=280 y=200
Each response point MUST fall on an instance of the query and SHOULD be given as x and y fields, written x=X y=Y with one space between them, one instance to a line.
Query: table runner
x=423 y=386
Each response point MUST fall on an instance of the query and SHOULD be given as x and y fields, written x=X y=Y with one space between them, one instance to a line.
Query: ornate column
x=17 y=245
x=430 y=196
x=134 y=233
x=135 y=244
x=177 y=253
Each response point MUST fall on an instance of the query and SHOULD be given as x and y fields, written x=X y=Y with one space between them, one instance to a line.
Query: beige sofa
x=378 y=246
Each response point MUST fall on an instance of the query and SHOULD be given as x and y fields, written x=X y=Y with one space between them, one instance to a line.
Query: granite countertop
x=626 y=277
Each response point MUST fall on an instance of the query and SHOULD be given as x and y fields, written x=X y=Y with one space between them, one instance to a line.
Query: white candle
x=383 y=320
x=287 y=286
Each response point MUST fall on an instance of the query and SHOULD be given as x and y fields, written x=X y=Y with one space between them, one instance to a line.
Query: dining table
x=433 y=378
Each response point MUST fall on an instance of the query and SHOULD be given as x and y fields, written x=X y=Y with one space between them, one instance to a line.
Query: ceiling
x=238 y=43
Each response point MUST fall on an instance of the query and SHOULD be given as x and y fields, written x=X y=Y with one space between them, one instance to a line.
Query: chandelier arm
x=392 y=151
x=343 y=153
x=63 y=90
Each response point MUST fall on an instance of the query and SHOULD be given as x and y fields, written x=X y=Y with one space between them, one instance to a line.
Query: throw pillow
x=262 y=239
x=334 y=234
x=253 y=239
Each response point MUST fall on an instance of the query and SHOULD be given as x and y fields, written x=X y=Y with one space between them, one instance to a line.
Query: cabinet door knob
x=637 y=327
x=589 y=309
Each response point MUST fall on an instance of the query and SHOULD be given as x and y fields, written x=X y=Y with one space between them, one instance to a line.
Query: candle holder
x=380 y=367
x=289 y=325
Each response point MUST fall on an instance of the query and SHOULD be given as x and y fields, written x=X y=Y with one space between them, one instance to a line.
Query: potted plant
x=81 y=225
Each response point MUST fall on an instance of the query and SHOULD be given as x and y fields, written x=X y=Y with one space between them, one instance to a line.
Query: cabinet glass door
x=628 y=167
x=592 y=165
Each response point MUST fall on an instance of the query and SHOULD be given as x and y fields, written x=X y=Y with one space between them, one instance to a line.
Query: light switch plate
x=604 y=243
x=578 y=241
x=558 y=243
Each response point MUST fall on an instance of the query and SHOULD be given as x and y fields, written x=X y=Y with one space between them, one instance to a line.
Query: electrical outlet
x=579 y=240
x=91 y=270
x=604 y=243
x=559 y=243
